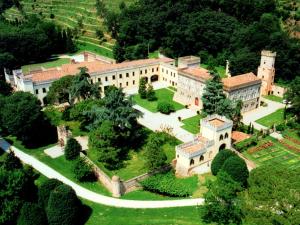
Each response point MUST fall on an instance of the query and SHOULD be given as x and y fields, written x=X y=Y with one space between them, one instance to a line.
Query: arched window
x=226 y=135
x=191 y=162
x=201 y=158
x=221 y=137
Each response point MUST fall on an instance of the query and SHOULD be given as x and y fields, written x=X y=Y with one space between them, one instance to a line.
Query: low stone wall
x=119 y=187
x=278 y=91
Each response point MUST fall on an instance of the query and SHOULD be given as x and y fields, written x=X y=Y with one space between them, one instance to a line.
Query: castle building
x=196 y=156
x=188 y=77
x=125 y=75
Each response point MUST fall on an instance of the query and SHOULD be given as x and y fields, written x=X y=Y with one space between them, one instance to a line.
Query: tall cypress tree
x=214 y=100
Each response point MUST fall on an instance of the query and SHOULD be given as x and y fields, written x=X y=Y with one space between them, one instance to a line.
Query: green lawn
x=192 y=124
x=135 y=165
x=220 y=70
x=273 y=98
x=106 y=215
x=49 y=64
x=60 y=164
x=153 y=55
x=276 y=155
x=161 y=94
x=271 y=119
x=95 y=49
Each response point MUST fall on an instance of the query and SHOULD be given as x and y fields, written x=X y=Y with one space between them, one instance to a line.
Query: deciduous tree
x=219 y=160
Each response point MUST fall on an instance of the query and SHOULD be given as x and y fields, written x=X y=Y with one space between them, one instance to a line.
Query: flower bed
x=260 y=147
x=290 y=147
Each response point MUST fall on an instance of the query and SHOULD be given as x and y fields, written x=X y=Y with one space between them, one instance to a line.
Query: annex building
x=188 y=77
x=195 y=157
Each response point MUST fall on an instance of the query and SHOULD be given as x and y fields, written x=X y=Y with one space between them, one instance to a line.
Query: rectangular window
x=162 y=70
x=126 y=83
x=157 y=69
x=106 y=79
x=141 y=72
x=133 y=82
x=145 y=71
x=36 y=91
x=120 y=84
x=127 y=74
x=114 y=77
x=120 y=76
x=133 y=74
x=99 y=79
x=152 y=70
x=167 y=71
x=44 y=90
x=100 y=89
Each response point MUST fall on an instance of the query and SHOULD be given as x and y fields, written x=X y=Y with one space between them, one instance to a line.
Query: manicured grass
x=94 y=49
x=220 y=70
x=135 y=165
x=144 y=195
x=276 y=155
x=192 y=124
x=162 y=95
x=49 y=64
x=106 y=215
x=273 y=98
x=153 y=55
x=60 y=164
x=271 y=119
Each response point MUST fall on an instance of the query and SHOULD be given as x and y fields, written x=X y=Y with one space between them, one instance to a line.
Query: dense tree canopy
x=293 y=96
x=45 y=190
x=32 y=214
x=22 y=117
x=30 y=41
x=221 y=205
x=272 y=196
x=5 y=88
x=224 y=29
x=219 y=160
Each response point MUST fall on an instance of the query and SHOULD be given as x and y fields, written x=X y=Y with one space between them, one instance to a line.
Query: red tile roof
x=238 y=136
x=240 y=81
x=197 y=72
x=95 y=66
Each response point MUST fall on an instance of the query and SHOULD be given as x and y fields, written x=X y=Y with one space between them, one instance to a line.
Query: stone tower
x=266 y=71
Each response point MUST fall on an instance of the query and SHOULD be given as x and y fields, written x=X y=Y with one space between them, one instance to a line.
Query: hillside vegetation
x=77 y=15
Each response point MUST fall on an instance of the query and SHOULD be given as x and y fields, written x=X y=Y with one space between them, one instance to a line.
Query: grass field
x=135 y=165
x=278 y=154
x=95 y=49
x=273 y=98
x=105 y=215
x=220 y=70
x=49 y=64
x=60 y=164
x=271 y=119
x=162 y=95
x=192 y=124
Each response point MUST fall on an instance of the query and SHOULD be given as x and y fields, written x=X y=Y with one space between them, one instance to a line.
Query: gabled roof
x=198 y=73
x=240 y=81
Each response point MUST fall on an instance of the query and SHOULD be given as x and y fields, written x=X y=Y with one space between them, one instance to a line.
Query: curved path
x=92 y=196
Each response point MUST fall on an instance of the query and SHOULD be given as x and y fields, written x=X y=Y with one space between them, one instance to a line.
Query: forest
x=30 y=40
x=216 y=30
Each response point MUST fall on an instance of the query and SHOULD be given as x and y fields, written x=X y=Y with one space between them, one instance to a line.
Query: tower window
x=221 y=137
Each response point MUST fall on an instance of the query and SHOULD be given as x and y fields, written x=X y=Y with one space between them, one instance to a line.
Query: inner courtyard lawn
x=106 y=215
x=276 y=117
x=192 y=124
x=162 y=95
x=51 y=63
x=273 y=98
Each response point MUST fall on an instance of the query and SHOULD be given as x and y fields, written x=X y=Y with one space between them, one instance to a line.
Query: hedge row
x=167 y=184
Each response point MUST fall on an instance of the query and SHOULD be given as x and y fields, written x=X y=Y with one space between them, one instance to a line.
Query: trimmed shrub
x=219 y=160
x=83 y=171
x=142 y=88
x=280 y=127
x=151 y=93
x=167 y=184
x=32 y=214
x=72 y=149
x=165 y=107
x=63 y=206
x=45 y=189
x=237 y=169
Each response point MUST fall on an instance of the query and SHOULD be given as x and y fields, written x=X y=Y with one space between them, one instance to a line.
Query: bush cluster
x=165 y=107
x=167 y=184
x=244 y=145
x=72 y=149
x=83 y=170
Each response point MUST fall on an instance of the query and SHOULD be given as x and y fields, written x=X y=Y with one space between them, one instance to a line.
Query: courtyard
x=164 y=94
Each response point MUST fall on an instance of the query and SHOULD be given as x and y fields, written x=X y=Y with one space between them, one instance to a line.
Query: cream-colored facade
x=196 y=156
x=106 y=73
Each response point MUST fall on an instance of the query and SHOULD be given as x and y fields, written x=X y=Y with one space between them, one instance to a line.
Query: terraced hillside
x=79 y=15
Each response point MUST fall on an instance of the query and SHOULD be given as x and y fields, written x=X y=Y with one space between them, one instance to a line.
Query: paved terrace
x=92 y=196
